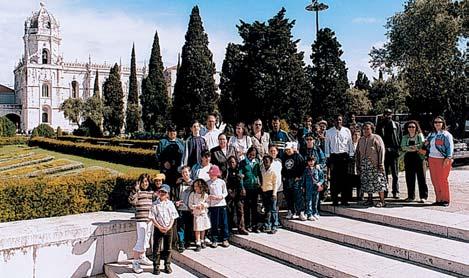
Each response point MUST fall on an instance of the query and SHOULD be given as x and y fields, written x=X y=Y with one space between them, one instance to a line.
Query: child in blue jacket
x=312 y=182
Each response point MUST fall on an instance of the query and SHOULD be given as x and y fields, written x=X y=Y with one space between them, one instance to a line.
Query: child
x=198 y=204
x=250 y=170
x=141 y=197
x=235 y=198
x=312 y=181
x=200 y=170
x=195 y=145
x=182 y=193
x=163 y=214
x=159 y=180
x=218 y=214
x=269 y=195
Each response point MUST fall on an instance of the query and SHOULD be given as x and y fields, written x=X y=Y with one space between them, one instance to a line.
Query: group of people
x=210 y=185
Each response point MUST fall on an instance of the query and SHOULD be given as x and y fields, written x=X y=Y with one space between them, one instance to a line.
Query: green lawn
x=87 y=162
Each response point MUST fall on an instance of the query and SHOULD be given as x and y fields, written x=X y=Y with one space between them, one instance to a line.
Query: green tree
x=7 y=127
x=132 y=115
x=73 y=109
x=388 y=94
x=328 y=76
x=194 y=92
x=358 y=101
x=230 y=83
x=423 y=48
x=113 y=104
x=96 y=85
x=362 y=82
x=93 y=107
x=272 y=78
x=154 y=98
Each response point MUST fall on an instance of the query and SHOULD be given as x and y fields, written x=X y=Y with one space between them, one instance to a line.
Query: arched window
x=45 y=90
x=45 y=115
x=74 y=89
x=45 y=56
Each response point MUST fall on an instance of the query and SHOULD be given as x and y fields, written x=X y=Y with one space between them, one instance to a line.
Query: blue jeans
x=312 y=200
x=219 y=221
x=293 y=195
x=271 y=213
x=184 y=226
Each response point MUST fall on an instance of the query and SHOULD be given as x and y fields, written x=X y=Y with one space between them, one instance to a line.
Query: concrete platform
x=330 y=259
x=234 y=262
x=436 y=252
x=124 y=270
x=441 y=223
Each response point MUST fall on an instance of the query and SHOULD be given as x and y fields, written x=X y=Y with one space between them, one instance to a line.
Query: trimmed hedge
x=44 y=130
x=16 y=140
x=7 y=127
x=122 y=155
x=87 y=191
x=138 y=144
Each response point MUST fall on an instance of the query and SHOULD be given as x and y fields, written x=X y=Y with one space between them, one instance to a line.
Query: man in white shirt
x=339 y=149
x=210 y=132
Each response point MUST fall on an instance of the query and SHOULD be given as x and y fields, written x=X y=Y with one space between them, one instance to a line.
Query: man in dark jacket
x=221 y=153
x=391 y=133
x=169 y=155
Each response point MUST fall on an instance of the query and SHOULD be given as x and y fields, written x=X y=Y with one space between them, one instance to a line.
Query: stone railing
x=68 y=246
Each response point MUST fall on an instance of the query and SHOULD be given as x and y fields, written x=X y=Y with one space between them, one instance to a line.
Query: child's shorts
x=144 y=231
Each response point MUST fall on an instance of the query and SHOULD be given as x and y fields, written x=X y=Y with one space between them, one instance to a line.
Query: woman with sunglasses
x=412 y=144
x=440 y=148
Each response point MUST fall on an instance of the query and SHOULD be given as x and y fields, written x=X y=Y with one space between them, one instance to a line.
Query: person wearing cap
x=169 y=154
x=159 y=180
x=217 y=207
x=278 y=137
x=391 y=133
x=339 y=151
x=162 y=214
x=293 y=166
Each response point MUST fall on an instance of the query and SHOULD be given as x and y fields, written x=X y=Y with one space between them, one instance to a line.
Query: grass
x=87 y=162
x=14 y=161
x=37 y=167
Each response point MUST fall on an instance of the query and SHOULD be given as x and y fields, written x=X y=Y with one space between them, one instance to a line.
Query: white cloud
x=106 y=36
x=365 y=20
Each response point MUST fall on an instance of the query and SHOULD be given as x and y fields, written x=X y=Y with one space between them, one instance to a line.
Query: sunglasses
x=411 y=126
x=309 y=139
x=162 y=191
x=257 y=124
x=437 y=122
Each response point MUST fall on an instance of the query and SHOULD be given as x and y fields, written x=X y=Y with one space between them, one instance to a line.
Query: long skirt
x=372 y=180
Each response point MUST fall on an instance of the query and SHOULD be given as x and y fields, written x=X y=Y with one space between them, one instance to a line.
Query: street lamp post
x=315 y=6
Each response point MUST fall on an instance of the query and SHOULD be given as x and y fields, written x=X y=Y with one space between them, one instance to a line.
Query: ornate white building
x=43 y=80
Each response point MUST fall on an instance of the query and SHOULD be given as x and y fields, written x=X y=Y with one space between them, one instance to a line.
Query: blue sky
x=106 y=29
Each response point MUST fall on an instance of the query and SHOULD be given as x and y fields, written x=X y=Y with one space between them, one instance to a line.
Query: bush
x=87 y=191
x=144 y=135
x=139 y=144
x=89 y=129
x=17 y=140
x=43 y=130
x=122 y=155
x=7 y=127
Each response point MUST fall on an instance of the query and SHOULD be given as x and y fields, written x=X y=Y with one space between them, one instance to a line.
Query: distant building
x=43 y=80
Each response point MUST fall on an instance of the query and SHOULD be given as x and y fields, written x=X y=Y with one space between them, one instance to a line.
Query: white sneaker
x=289 y=215
x=295 y=216
x=207 y=241
x=423 y=201
x=145 y=261
x=311 y=218
x=136 y=267
x=302 y=216
x=316 y=216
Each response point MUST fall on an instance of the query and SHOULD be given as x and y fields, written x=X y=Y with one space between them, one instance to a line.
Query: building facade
x=43 y=80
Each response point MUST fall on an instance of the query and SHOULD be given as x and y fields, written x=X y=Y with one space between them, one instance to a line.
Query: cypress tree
x=132 y=115
x=113 y=102
x=328 y=76
x=195 y=92
x=96 y=85
x=93 y=107
x=154 y=98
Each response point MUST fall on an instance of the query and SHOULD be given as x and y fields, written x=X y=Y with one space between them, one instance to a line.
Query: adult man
x=169 y=154
x=221 y=153
x=339 y=150
x=391 y=133
x=210 y=132
x=278 y=137
x=260 y=139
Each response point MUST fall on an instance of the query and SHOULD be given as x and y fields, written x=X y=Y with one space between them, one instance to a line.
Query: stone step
x=234 y=262
x=441 y=223
x=436 y=252
x=330 y=259
x=124 y=270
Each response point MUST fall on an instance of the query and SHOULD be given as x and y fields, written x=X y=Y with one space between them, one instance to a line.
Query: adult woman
x=370 y=158
x=241 y=142
x=411 y=144
x=260 y=139
x=353 y=165
x=441 y=147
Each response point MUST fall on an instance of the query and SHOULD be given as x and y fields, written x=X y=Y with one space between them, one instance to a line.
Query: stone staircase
x=345 y=242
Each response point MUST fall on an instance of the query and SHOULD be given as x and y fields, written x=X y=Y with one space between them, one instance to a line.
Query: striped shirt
x=142 y=200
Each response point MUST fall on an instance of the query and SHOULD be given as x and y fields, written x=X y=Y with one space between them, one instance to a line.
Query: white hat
x=291 y=145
